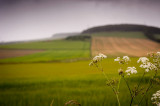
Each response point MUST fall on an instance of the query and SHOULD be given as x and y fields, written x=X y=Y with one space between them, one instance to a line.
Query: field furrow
x=115 y=46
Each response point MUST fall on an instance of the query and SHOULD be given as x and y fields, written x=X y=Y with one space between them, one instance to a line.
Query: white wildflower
x=102 y=55
x=126 y=58
x=148 y=66
x=97 y=58
x=131 y=70
x=117 y=59
x=156 y=98
x=123 y=60
x=143 y=60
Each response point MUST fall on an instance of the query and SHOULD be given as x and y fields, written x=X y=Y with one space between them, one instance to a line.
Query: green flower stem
x=149 y=87
x=119 y=83
x=140 y=81
x=101 y=69
x=128 y=86
x=129 y=91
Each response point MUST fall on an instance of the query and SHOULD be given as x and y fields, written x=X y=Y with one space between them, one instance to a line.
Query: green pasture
x=50 y=56
x=121 y=34
x=49 y=45
x=37 y=84
x=56 y=50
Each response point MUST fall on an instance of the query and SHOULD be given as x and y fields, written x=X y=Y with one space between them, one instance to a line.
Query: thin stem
x=140 y=80
x=128 y=86
x=119 y=83
x=101 y=69
x=52 y=103
x=149 y=87
x=145 y=93
x=129 y=90
x=118 y=100
x=131 y=101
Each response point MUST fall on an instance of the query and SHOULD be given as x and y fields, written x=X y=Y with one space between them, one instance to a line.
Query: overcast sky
x=32 y=19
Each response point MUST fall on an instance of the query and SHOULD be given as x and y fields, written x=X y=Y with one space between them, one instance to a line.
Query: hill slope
x=148 y=31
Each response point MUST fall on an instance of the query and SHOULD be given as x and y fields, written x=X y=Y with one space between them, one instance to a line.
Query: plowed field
x=16 y=53
x=116 y=46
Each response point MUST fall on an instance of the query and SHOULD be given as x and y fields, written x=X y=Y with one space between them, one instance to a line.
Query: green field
x=48 y=45
x=56 y=50
x=40 y=83
x=50 y=56
x=121 y=34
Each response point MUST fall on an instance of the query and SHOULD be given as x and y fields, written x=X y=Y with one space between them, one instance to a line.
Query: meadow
x=61 y=72
x=40 y=83
x=54 y=50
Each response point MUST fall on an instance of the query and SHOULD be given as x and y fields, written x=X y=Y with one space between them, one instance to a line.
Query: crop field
x=7 y=53
x=115 y=46
x=47 y=45
x=39 y=83
x=56 y=50
x=120 y=34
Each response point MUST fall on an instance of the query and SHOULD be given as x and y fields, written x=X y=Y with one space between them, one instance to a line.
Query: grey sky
x=32 y=19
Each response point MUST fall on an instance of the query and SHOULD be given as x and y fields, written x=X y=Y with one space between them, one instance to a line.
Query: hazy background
x=34 y=19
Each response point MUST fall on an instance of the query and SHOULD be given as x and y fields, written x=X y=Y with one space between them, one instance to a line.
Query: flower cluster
x=156 y=59
x=126 y=58
x=123 y=60
x=144 y=60
x=97 y=58
x=131 y=70
x=156 y=98
x=146 y=64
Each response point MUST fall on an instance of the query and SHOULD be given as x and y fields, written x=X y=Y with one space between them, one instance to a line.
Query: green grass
x=48 y=45
x=121 y=34
x=49 y=56
x=39 y=83
x=58 y=50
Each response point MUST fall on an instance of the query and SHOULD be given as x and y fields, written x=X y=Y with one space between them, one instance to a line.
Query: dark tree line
x=148 y=31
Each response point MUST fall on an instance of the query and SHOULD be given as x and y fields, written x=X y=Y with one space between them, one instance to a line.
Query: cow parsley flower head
x=123 y=60
x=102 y=55
x=117 y=59
x=148 y=66
x=97 y=58
x=126 y=58
x=156 y=98
x=131 y=70
x=143 y=60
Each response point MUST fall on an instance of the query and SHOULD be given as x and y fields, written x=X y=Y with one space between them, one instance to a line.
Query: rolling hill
x=151 y=32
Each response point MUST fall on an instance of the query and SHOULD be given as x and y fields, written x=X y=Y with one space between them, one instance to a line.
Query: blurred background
x=46 y=45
